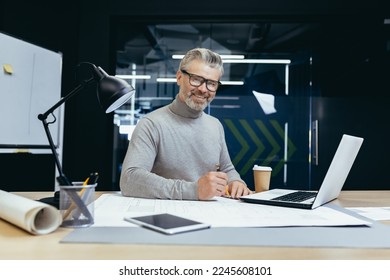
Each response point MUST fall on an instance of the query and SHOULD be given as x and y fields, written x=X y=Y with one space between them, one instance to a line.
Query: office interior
x=331 y=78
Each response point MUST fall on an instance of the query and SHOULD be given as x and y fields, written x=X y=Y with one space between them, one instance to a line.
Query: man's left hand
x=238 y=189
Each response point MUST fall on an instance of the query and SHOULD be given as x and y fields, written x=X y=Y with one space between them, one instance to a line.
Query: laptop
x=330 y=188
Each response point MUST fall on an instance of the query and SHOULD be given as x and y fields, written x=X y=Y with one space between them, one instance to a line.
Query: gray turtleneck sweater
x=170 y=149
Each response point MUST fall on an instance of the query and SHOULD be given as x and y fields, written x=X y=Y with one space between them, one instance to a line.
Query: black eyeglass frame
x=204 y=80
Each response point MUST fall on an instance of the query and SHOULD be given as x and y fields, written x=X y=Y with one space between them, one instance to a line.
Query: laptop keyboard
x=296 y=196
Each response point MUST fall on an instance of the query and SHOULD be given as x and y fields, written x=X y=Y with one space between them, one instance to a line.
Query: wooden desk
x=18 y=244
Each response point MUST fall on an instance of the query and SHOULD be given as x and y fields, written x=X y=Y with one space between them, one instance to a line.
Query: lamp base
x=53 y=201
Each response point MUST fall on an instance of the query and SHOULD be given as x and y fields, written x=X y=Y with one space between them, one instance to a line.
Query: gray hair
x=211 y=58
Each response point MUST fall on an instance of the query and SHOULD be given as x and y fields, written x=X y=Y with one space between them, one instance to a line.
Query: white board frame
x=31 y=88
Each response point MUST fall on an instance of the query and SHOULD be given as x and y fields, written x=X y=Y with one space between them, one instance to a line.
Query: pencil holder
x=77 y=205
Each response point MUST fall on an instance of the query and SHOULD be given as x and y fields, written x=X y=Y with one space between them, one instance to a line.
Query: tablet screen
x=167 y=223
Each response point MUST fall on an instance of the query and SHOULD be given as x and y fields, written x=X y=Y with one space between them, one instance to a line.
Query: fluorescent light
x=232 y=83
x=136 y=77
x=223 y=56
x=166 y=80
x=241 y=59
x=262 y=61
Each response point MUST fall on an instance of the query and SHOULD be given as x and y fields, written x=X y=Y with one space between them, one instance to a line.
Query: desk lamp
x=112 y=93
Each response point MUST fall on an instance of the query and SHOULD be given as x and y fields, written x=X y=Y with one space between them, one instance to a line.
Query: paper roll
x=33 y=216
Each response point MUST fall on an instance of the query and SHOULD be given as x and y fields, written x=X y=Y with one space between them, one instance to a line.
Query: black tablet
x=167 y=223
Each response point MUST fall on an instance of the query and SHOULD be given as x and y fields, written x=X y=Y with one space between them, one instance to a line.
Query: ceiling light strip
x=241 y=59
x=232 y=83
x=135 y=77
x=258 y=61
x=166 y=80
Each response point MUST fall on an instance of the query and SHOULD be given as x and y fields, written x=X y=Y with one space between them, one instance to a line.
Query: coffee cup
x=262 y=177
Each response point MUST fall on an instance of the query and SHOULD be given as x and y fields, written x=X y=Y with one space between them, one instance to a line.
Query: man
x=178 y=151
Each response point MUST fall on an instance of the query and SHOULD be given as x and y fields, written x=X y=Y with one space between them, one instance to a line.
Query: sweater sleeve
x=137 y=180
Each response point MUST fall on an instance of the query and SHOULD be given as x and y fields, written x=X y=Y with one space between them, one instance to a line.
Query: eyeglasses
x=197 y=81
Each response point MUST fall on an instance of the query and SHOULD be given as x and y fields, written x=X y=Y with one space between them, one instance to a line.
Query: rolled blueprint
x=33 y=216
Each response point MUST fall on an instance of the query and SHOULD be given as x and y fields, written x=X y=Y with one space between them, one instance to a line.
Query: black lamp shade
x=112 y=92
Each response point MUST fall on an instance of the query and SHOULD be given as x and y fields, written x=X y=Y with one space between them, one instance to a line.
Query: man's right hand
x=212 y=184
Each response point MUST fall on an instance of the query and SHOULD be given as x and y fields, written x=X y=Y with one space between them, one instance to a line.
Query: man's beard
x=194 y=105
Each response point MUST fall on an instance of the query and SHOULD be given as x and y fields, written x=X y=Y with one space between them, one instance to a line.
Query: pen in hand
x=218 y=169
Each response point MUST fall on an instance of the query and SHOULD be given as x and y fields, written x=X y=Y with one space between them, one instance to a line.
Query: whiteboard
x=30 y=83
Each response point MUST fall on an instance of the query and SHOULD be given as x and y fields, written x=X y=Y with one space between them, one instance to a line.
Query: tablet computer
x=167 y=223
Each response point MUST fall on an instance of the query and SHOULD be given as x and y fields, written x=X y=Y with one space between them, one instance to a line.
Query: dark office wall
x=350 y=78
x=81 y=31
x=263 y=8
x=366 y=117
x=56 y=28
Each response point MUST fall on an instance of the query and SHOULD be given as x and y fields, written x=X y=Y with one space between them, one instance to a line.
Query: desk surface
x=18 y=244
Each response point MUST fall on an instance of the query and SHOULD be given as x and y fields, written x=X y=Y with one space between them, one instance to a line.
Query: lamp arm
x=64 y=99
x=62 y=179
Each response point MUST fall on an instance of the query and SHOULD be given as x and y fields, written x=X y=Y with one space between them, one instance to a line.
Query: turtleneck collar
x=180 y=108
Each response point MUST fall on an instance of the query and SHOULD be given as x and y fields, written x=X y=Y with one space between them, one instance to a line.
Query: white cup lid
x=262 y=168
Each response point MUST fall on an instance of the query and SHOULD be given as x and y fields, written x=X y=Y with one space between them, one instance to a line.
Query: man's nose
x=203 y=87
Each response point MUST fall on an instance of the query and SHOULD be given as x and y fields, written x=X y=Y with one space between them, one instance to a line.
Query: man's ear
x=179 y=74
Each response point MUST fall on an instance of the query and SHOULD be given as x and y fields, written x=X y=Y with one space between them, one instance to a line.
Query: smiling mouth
x=199 y=97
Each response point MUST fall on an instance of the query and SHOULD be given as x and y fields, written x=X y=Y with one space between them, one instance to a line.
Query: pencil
x=218 y=168
x=73 y=205
x=227 y=190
